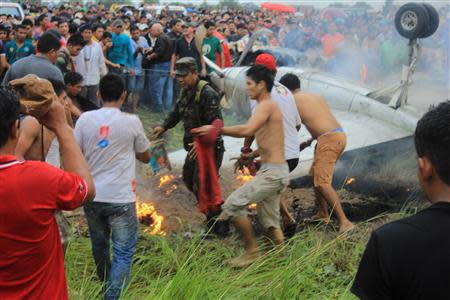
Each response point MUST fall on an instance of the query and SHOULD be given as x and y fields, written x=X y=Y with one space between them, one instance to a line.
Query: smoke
x=364 y=47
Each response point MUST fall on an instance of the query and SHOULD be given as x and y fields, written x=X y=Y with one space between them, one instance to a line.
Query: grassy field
x=315 y=264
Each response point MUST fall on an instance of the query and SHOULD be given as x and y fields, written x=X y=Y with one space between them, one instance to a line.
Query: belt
x=339 y=129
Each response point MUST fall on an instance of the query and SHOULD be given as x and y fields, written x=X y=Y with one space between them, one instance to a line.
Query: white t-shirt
x=291 y=119
x=110 y=139
x=90 y=63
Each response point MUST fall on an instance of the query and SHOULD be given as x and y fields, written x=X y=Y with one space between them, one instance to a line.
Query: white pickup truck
x=13 y=9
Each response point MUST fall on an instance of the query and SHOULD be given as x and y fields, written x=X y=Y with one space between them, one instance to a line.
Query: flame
x=165 y=180
x=244 y=175
x=350 y=181
x=147 y=214
x=171 y=189
x=252 y=206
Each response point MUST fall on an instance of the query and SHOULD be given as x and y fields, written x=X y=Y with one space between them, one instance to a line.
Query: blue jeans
x=118 y=222
x=161 y=86
x=136 y=83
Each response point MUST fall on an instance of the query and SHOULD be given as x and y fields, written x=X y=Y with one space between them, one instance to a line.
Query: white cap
x=142 y=26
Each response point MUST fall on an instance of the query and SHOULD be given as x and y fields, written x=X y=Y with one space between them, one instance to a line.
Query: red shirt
x=330 y=43
x=31 y=257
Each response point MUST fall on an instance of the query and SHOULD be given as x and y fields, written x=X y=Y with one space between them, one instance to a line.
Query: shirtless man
x=331 y=141
x=33 y=146
x=266 y=124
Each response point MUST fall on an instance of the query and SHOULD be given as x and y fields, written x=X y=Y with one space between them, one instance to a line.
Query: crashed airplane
x=379 y=124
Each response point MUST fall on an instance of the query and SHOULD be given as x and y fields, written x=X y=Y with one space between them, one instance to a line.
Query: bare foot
x=346 y=226
x=244 y=260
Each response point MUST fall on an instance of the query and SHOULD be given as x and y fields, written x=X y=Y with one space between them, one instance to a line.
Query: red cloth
x=266 y=60
x=31 y=256
x=225 y=49
x=209 y=192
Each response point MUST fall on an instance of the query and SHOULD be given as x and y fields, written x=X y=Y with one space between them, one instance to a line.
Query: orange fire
x=252 y=206
x=147 y=214
x=171 y=189
x=244 y=175
x=350 y=181
x=165 y=180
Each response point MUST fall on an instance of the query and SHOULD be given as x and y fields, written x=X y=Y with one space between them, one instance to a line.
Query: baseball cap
x=142 y=26
x=185 y=65
x=190 y=24
x=267 y=60
x=118 y=23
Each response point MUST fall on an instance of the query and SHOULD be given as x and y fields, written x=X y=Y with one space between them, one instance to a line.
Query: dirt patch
x=177 y=206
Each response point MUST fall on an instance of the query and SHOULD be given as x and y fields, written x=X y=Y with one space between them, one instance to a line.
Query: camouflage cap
x=185 y=65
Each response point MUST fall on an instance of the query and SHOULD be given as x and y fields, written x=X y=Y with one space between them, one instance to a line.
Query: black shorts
x=292 y=163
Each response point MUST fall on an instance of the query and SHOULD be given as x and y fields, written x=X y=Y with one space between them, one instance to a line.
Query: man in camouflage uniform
x=198 y=104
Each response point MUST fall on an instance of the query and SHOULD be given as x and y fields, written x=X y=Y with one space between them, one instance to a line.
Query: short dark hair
x=62 y=21
x=48 y=42
x=291 y=81
x=134 y=28
x=241 y=26
x=174 y=22
x=27 y=22
x=73 y=28
x=58 y=86
x=432 y=139
x=106 y=35
x=76 y=40
x=260 y=73
x=111 y=87
x=73 y=78
x=40 y=19
x=209 y=24
x=84 y=27
x=21 y=26
x=9 y=113
x=97 y=26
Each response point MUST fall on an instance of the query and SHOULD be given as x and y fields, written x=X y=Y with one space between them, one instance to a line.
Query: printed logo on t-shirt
x=206 y=49
x=104 y=132
x=133 y=185
x=282 y=90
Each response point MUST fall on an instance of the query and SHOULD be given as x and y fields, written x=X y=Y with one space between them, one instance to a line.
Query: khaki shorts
x=328 y=150
x=264 y=190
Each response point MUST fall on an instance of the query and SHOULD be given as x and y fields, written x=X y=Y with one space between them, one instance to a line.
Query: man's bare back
x=315 y=113
x=29 y=146
x=270 y=137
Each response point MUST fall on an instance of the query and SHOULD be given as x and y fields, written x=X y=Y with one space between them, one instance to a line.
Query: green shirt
x=14 y=53
x=210 y=47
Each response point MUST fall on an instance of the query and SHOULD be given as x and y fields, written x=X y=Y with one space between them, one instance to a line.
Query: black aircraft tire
x=411 y=20
x=433 y=24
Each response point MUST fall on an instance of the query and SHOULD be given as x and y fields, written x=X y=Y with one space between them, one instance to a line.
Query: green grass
x=315 y=264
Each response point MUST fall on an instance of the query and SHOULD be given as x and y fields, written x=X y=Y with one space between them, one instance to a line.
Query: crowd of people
x=142 y=46
x=67 y=74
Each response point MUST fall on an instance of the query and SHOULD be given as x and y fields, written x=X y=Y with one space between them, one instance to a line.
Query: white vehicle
x=13 y=9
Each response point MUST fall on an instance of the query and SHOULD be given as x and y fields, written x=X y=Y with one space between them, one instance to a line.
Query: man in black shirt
x=409 y=258
x=176 y=32
x=157 y=62
x=185 y=47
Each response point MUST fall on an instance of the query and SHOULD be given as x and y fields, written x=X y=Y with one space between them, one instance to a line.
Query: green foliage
x=313 y=265
x=229 y=4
